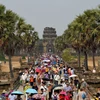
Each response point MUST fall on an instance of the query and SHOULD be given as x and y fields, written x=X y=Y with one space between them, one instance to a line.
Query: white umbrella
x=59 y=88
x=72 y=76
x=46 y=60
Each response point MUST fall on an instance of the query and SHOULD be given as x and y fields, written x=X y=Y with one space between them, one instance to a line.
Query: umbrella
x=32 y=91
x=45 y=64
x=72 y=76
x=46 y=60
x=17 y=93
x=58 y=88
x=45 y=79
x=63 y=92
x=38 y=70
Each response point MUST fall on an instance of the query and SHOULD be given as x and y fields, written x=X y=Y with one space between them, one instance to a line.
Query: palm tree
x=60 y=44
x=15 y=33
x=92 y=31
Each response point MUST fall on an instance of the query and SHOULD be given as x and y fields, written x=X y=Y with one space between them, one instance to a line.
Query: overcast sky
x=49 y=13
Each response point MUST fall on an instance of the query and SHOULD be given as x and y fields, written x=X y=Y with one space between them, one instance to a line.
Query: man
x=11 y=96
x=56 y=78
x=68 y=88
x=84 y=84
x=81 y=94
x=44 y=87
x=76 y=82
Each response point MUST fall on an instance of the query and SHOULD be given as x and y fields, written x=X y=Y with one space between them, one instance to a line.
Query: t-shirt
x=68 y=88
x=12 y=97
x=84 y=85
x=31 y=79
x=80 y=95
x=44 y=88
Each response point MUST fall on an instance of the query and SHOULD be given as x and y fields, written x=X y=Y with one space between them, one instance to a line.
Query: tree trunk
x=10 y=62
x=78 y=58
x=93 y=56
x=86 y=60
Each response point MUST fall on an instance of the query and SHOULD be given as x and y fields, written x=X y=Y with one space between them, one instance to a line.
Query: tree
x=14 y=32
x=66 y=55
x=93 y=28
x=59 y=43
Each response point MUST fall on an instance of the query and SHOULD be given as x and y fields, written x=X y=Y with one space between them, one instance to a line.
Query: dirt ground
x=16 y=64
x=90 y=62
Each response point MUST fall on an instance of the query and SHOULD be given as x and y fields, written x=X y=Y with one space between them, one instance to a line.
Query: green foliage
x=15 y=33
x=23 y=57
x=66 y=55
x=2 y=57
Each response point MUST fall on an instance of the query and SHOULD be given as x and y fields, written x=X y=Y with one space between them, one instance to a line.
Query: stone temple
x=46 y=45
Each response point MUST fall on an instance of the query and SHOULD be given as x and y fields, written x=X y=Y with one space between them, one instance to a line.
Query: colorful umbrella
x=17 y=93
x=32 y=91
x=63 y=92
x=73 y=76
x=38 y=70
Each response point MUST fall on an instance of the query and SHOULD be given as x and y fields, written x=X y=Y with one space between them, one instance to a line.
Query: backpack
x=83 y=96
x=55 y=97
x=46 y=76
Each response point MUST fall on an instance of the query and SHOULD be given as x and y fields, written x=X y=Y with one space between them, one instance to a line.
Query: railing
x=16 y=83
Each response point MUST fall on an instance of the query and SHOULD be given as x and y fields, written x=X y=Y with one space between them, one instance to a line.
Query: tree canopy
x=15 y=33
x=83 y=34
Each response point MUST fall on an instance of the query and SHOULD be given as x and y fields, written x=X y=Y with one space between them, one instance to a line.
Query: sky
x=49 y=13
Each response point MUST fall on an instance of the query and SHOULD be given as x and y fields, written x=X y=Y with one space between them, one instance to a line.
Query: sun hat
x=4 y=91
x=27 y=84
x=82 y=79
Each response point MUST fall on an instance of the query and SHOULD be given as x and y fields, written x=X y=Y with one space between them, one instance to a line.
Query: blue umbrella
x=32 y=91
x=17 y=93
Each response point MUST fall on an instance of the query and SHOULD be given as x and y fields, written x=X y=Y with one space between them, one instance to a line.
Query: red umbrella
x=63 y=92
x=38 y=70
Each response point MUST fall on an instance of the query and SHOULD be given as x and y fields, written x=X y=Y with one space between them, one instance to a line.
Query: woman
x=31 y=80
x=18 y=97
x=35 y=86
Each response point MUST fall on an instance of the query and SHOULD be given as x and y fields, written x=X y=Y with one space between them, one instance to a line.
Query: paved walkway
x=21 y=89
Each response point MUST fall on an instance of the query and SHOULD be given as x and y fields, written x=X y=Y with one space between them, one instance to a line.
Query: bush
x=2 y=57
x=23 y=57
x=66 y=56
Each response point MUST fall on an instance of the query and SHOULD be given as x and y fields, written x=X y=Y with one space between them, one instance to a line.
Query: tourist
x=56 y=78
x=55 y=96
x=84 y=84
x=35 y=86
x=68 y=88
x=50 y=86
x=98 y=94
x=11 y=96
x=27 y=86
x=81 y=94
x=3 y=95
x=44 y=87
x=76 y=82
x=18 y=97
x=31 y=80
x=23 y=78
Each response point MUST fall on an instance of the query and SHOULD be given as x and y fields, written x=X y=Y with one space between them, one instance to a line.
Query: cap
x=83 y=79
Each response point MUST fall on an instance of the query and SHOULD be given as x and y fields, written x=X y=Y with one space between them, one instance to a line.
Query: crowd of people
x=52 y=79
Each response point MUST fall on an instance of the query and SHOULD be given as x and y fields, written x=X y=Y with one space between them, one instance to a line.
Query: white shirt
x=56 y=77
x=44 y=88
x=12 y=97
